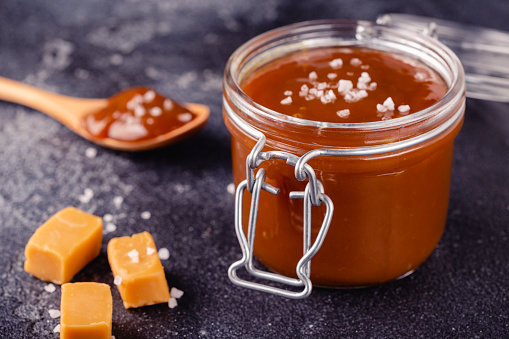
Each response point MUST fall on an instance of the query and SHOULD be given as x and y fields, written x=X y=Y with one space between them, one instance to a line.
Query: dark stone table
x=96 y=48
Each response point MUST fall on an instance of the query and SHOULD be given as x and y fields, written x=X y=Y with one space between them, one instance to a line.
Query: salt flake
x=344 y=113
x=54 y=313
x=286 y=101
x=118 y=280
x=150 y=250
x=50 y=288
x=163 y=253
x=146 y=215
x=176 y=293
x=56 y=329
x=172 y=303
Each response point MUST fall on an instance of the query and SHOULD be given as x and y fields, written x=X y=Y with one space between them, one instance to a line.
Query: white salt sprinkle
x=185 y=117
x=389 y=103
x=150 y=250
x=155 y=111
x=344 y=86
x=286 y=101
x=230 y=188
x=134 y=255
x=336 y=63
x=117 y=201
x=90 y=152
x=344 y=113
x=50 y=288
x=176 y=293
x=54 y=313
x=146 y=215
x=118 y=280
x=355 y=62
x=163 y=253
x=288 y=93
x=172 y=303
x=149 y=96
x=56 y=329
x=108 y=217
x=313 y=76
x=88 y=194
x=110 y=227
x=168 y=104
x=332 y=76
x=404 y=109
x=372 y=86
x=139 y=111
x=381 y=108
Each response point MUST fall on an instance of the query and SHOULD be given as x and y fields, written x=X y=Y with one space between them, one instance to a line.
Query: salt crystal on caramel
x=63 y=245
x=86 y=311
x=138 y=270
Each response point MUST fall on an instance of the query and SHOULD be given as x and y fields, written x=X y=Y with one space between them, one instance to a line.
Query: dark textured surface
x=94 y=49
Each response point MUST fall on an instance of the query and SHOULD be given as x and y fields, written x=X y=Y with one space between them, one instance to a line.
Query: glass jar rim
x=232 y=83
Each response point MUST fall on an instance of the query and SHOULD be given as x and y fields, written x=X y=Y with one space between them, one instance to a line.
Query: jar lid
x=483 y=52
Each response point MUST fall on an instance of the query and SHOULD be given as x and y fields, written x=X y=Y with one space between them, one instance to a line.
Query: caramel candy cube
x=85 y=311
x=137 y=270
x=63 y=245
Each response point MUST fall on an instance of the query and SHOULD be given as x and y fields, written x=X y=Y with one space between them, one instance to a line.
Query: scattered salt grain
x=163 y=253
x=168 y=104
x=88 y=194
x=389 y=103
x=230 y=188
x=150 y=250
x=372 y=86
x=134 y=255
x=344 y=86
x=118 y=280
x=149 y=96
x=139 y=111
x=150 y=121
x=286 y=101
x=155 y=111
x=108 y=217
x=90 y=152
x=146 y=215
x=344 y=113
x=332 y=76
x=381 y=108
x=172 y=303
x=56 y=329
x=50 y=288
x=404 y=108
x=313 y=76
x=54 y=313
x=336 y=63
x=288 y=93
x=110 y=227
x=176 y=293
x=185 y=117
x=117 y=201
x=355 y=62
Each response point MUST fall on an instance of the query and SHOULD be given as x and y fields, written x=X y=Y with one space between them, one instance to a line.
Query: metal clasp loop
x=303 y=268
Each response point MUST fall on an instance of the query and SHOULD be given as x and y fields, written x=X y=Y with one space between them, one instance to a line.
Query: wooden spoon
x=70 y=111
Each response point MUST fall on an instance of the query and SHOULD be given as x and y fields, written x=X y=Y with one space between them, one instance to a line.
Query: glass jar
x=387 y=181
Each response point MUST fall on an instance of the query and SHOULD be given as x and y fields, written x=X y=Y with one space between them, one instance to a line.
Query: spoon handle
x=67 y=110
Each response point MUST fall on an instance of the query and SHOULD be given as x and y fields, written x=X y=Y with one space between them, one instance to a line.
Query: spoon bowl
x=70 y=111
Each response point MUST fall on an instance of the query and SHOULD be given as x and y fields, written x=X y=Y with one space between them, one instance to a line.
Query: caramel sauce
x=389 y=209
x=137 y=114
x=345 y=85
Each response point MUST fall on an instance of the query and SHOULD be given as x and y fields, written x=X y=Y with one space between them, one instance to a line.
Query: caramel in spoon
x=133 y=120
